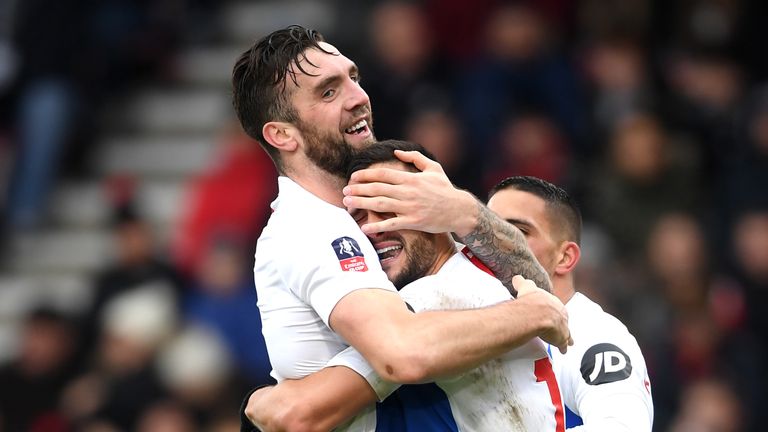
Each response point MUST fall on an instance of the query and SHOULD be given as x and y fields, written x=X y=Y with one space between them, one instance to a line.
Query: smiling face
x=334 y=112
x=405 y=255
x=529 y=214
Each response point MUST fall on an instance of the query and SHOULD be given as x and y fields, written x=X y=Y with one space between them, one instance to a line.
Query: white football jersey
x=603 y=376
x=309 y=256
x=515 y=392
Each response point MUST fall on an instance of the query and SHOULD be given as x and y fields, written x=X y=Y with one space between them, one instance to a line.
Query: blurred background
x=131 y=199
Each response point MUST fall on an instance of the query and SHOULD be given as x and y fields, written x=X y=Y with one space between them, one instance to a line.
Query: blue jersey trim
x=571 y=419
x=416 y=408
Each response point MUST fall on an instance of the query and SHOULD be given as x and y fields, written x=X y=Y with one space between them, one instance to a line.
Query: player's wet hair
x=562 y=209
x=259 y=79
x=383 y=151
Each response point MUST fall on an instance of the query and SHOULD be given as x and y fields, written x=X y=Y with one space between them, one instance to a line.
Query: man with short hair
x=515 y=392
x=603 y=376
x=301 y=99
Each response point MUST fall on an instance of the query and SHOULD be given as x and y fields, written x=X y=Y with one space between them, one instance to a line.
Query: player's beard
x=419 y=259
x=330 y=153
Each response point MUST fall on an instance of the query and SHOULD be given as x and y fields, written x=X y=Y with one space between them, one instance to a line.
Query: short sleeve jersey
x=603 y=376
x=516 y=392
x=309 y=256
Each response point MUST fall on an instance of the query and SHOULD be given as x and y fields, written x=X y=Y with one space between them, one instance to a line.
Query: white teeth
x=356 y=126
x=387 y=249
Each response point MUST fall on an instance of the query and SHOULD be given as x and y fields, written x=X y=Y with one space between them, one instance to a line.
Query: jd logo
x=605 y=363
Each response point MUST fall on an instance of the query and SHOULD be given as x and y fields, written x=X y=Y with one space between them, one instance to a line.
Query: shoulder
x=604 y=350
x=296 y=210
x=588 y=320
x=458 y=285
x=301 y=219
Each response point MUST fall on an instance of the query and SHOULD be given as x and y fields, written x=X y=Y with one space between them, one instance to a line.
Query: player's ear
x=570 y=253
x=282 y=135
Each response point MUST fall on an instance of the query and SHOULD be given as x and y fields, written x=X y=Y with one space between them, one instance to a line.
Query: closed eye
x=522 y=226
x=359 y=216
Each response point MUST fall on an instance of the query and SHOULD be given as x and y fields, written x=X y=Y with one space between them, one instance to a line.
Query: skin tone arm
x=427 y=201
x=404 y=347
x=327 y=398
x=318 y=402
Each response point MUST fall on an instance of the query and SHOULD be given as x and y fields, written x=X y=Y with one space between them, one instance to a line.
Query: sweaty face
x=405 y=255
x=325 y=149
x=528 y=213
x=334 y=111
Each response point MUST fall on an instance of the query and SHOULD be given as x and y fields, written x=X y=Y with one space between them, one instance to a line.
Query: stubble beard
x=330 y=153
x=420 y=257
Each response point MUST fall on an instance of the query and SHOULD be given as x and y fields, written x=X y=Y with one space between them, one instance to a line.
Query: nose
x=357 y=97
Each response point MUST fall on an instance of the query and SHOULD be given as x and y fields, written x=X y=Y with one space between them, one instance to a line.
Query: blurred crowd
x=653 y=114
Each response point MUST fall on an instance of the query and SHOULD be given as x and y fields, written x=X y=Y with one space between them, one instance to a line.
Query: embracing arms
x=327 y=398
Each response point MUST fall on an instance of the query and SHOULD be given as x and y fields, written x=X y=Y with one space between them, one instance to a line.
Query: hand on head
x=424 y=201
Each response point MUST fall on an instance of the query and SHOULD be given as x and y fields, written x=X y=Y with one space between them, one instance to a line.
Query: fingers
x=381 y=175
x=379 y=204
x=566 y=343
x=523 y=286
x=557 y=332
x=393 y=224
x=375 y=190
x=420 y=161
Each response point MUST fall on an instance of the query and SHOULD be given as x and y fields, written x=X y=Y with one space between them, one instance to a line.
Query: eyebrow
x=519 y=222
x=334 y=79
x=326 y=82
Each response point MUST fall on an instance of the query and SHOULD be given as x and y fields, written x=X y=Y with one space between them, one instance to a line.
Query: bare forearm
x=318 y=402
x=503 y=248
x=472 y=337
x=404 y=347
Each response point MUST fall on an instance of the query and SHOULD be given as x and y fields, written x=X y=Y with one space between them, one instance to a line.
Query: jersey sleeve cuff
x=355 y=361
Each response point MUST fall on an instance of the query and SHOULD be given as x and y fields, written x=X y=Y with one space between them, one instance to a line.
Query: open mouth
x=389 y=253
x=357 y=128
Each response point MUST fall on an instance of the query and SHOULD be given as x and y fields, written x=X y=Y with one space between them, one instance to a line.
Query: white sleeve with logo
x=331 y=261
x=302 y=269
x=604 y=376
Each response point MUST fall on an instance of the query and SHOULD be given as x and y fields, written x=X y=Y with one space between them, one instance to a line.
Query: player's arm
x=617 y=412
x=410 y=348
x=318 y=402
x=612 y=390
x=427 y=201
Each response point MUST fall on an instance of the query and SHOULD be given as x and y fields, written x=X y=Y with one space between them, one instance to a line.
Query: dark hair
x=46 y=314
x=259 y=78
x=383 y=151
x=125 y=214
x=560 y=206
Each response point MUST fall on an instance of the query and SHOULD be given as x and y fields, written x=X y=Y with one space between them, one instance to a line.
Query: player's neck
x=445 y=248
x=563 y=289
x=319 y=183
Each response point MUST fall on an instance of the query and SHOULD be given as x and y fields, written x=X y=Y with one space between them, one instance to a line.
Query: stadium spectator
x=121 y=381
x=31 y=384
x=231 y=199
x=641 y=178
x=136 y=266
x=222 y=299
x=520 y=70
